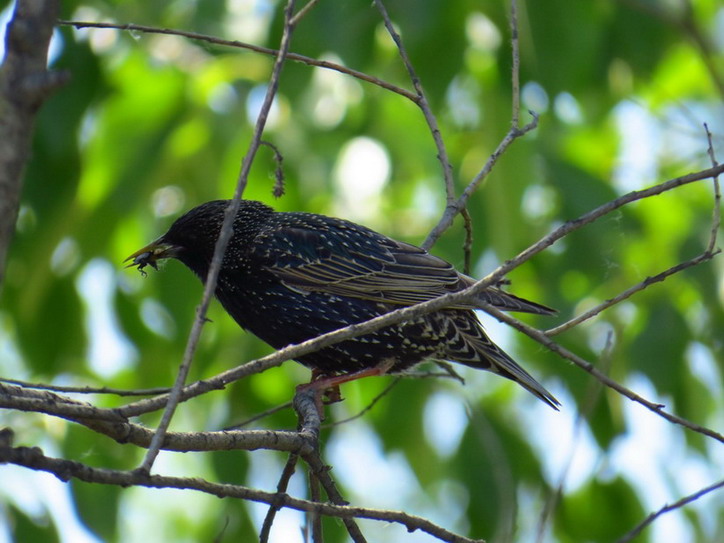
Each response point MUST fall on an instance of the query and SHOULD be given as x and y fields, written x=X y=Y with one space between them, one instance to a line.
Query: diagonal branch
x=325 y=64
x=658 y=278
x=424 y=106
x=710 y=252
x=222 y=242
x=630 y=536
x=544 y=340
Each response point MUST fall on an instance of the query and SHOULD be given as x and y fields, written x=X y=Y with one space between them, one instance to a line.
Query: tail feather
x=509 y=302
x=505 y=366
x=506 y=301
x=472 y=347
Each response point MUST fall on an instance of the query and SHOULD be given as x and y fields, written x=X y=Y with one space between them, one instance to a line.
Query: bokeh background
x=151 y=125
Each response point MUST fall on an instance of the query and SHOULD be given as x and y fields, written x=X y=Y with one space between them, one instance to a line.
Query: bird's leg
x=328 y=385
x=333 y=381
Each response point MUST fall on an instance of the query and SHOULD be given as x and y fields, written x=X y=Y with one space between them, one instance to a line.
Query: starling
x=289 y=277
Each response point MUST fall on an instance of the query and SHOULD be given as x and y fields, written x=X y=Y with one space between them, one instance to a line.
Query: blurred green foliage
x=151 y=125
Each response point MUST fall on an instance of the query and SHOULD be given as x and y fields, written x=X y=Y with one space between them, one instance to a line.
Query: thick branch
x=66 y=470
x=24 y=84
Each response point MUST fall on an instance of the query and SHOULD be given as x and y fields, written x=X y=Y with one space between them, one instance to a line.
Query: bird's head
x=192 y=237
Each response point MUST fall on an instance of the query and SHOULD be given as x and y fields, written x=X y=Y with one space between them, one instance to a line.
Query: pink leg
x=329 y=384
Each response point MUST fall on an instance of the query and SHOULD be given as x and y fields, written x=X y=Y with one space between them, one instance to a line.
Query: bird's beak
x=151 y=254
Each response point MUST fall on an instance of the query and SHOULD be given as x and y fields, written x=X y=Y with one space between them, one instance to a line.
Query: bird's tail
x=502 y=364
x=505 y=301
x=475 y=349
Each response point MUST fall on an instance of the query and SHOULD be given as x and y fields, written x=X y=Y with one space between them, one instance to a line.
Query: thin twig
x=274 y=507
x=716 y=215
x=515 y=76
x=450 y=211
x=221 y=243
x=447 y=367
x=88 y=389
x=515 y=132
x=259 y=416
x=543 y=339
x=321 y=472
x=651 y=280
x=424 y=106
x=303 y=12
x=314 y=519
x=710 y=252
x=305 y=404
x=242 y=45
x=369 y=406
x=630 y=536
x=468 y=245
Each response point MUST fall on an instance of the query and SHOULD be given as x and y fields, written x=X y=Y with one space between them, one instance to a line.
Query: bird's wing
x=356 y=263
x=352 y=261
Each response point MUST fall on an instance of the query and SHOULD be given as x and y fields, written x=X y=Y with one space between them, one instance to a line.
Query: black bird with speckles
x=289 y=277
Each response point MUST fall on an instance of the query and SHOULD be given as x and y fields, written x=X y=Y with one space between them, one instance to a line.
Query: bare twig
x=314 y=519
x=515 y=76
x=369 y=406
x=88 y=389
x=630 y=536
x=305 y=404
x=110 y=423
x=716 y=215
x=259 y=416
x=424 y=106
x=710 y=252
x=543 y=339
x=276 y=505
x=658 y=278
x=515 y=132
x=221 y=243
x=302 y=12
x=451 y=210
x=242 y=45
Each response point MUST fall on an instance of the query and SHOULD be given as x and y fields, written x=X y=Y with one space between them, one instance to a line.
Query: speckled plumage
x=289 y=277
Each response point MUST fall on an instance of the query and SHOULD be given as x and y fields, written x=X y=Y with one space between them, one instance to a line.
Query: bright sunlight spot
x=361 y=173
x=109 y=352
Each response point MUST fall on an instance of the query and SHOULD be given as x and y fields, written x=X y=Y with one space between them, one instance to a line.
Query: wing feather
x=352 y=261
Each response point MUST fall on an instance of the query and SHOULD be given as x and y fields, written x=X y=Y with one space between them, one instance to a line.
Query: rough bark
x=25 y=82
